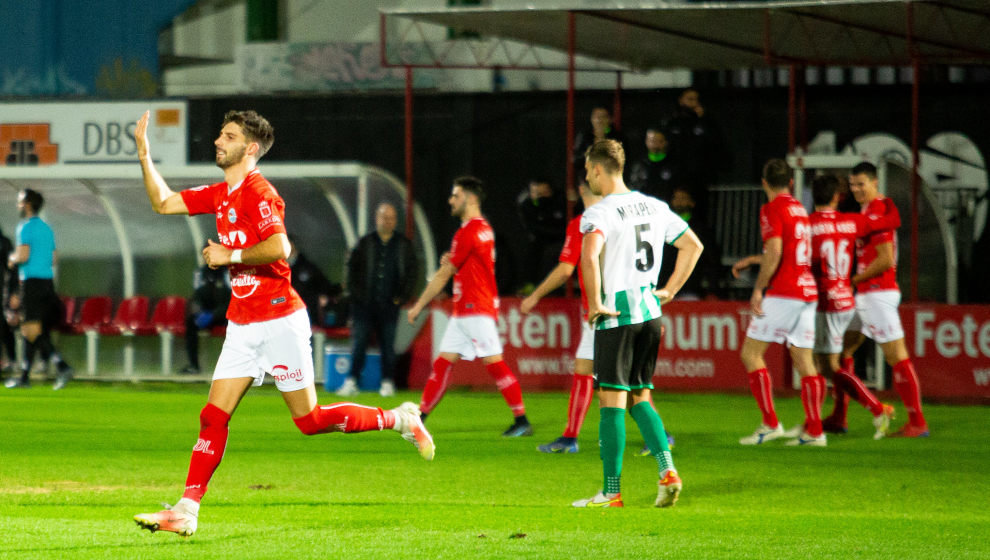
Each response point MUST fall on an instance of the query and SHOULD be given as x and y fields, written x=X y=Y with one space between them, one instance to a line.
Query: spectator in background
x=34 y=253
x=207 y=308
x=656 y=173
x=698 y=145
x=705 y=281
x=8 y=286
x=601 y=128
x=310 y=283
x=381 y=276
x=544 y=217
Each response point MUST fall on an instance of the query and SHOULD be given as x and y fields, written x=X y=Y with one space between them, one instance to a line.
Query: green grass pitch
x=76 y=465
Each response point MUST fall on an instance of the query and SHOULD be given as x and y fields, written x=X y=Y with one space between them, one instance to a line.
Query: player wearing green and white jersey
x=634 y=227
x=621 y=251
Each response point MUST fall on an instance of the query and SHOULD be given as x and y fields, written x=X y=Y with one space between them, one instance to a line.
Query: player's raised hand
x=141 y=135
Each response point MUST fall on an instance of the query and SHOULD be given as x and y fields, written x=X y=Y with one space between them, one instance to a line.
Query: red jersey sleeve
x=268 y=215
x=771 y=224
x=200 y=200
x=571 y=253
x=460 y=247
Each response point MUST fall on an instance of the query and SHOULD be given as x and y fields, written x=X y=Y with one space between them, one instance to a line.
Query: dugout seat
x=168 y=320
x=131 y=316
x=94 y=313
x=66 y=322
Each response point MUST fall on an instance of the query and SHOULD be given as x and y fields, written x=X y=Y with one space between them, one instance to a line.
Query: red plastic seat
x=169 y=315
x=132 y=315
x=94 y=313
x=67 y=320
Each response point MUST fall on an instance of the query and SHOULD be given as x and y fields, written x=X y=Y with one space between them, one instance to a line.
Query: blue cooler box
x=338 y=364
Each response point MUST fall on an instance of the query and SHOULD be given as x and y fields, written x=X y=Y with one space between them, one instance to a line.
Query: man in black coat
x=381 y=276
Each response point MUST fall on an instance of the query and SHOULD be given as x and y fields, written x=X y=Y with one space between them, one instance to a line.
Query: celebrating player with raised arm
x=268 y=329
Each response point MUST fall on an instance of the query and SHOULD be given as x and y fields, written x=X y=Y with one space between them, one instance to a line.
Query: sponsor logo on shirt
x=234 y=238
x=244 y=284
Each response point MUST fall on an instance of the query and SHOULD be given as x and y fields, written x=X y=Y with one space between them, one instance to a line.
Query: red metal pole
x=569 y=290
x=409 y=152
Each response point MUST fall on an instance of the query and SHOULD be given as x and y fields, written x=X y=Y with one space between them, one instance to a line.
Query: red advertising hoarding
x=950 y=346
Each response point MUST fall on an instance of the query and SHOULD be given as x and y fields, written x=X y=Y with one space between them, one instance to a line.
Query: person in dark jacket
x=381 y=276
x=310 y=283
x=207 y=308
x=10 y=286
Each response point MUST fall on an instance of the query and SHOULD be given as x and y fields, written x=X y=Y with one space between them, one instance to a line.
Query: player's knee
x=307 y=424
x=212 y=416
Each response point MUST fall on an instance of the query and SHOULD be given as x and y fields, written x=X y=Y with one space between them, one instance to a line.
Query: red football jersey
x=246 y=216
x=784 y=217
x=472 y=252
x=866 y=247
x=833 y=241
x=571 y=254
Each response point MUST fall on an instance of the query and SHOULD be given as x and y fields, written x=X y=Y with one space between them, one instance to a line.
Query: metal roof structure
x=709 y=35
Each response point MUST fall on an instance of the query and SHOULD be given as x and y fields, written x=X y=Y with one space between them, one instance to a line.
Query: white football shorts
x=830 y=327
x=785 y=319
x=471 y=336
x=279 y=347
x=586 y=348
x=877 y=317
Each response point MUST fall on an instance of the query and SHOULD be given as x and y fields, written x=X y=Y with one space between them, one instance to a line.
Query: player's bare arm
x=554 y=280
x=689 y=249
x=772 y=251
x=885 y=260
x=744 y=263
x=163 y=199
x=20 y=255
x=591 y=249
x=270 y=250
x=433 y=287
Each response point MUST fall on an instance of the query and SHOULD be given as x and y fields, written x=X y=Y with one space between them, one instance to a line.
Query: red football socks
x=436 y=385
x=344 y=417
x=761 y=386
x=582 y=389
x=907 y=386
x=508 y=385
x=208 y=451
x=812 y=389
x=850 y=383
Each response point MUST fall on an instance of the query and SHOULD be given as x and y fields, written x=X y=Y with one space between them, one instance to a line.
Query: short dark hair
x=608 y=153
x=35 y=199
x=472 y=185
x=823 y=189
x=255 y=127
x=865 y=168
x=777 y=173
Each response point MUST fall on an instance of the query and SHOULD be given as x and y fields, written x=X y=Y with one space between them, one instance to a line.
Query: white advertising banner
x=42 y=134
